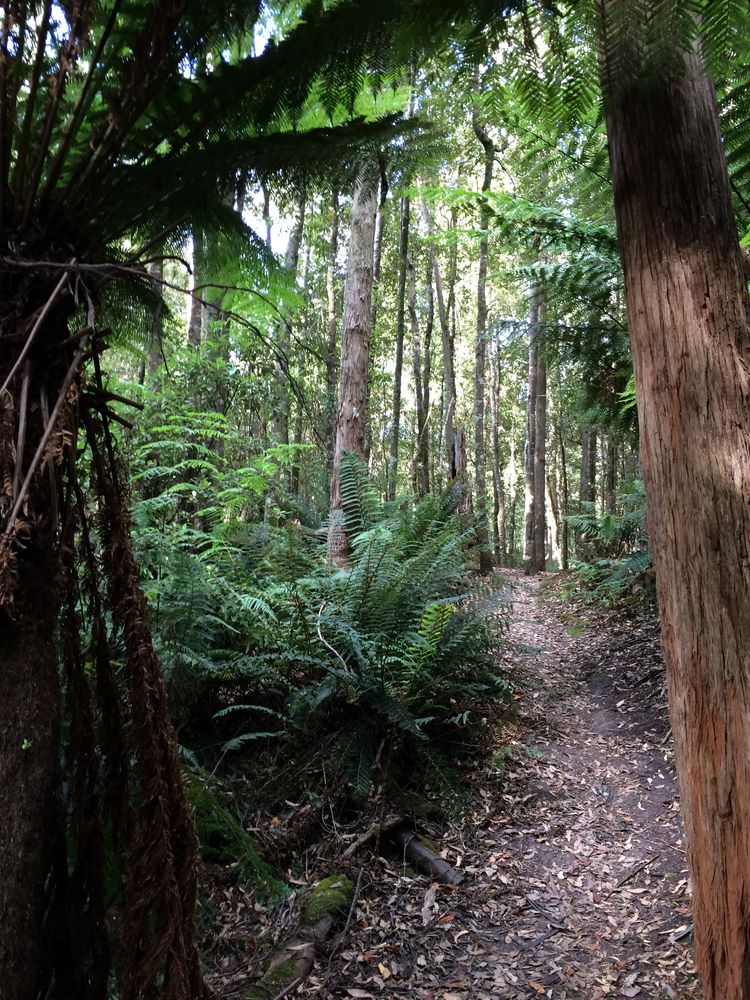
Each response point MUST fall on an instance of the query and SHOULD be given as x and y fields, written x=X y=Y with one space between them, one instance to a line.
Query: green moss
x=274 y=981
x=326 y=898
x=223 y=840
x=429 y=844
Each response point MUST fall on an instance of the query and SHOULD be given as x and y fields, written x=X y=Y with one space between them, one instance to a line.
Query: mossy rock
x=223 y=840
x=327 y=898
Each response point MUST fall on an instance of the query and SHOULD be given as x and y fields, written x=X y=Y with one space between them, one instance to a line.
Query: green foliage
x=223 y=839
x=255 y=627
x=621 y=561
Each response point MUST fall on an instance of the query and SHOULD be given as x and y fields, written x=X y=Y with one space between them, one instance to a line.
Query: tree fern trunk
x=688 y=312
x=29 y=756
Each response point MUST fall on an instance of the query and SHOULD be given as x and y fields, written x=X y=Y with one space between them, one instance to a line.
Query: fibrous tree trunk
x=403 y=257
x=480 y=347
x=351 y=421
x=689 y=322
x=29 y=771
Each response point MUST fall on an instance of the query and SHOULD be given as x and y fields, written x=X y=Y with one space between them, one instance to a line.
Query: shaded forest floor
x=574 y=859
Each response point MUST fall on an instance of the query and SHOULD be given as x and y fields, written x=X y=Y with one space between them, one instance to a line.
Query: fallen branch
x=427 y=860
x=375 y=831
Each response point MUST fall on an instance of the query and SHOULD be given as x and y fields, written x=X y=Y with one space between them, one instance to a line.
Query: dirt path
x=576 y=884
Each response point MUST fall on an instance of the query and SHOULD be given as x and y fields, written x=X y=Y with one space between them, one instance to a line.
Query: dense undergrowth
x=618 y=567
x=299 y=689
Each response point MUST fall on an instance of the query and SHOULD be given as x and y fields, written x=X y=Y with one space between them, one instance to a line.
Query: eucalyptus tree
x=351 y=420
x=689 y=313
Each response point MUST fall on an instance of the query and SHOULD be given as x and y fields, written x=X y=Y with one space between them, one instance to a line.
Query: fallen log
x=426 y=859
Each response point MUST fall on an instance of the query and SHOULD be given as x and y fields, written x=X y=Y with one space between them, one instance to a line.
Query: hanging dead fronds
x=161 y=867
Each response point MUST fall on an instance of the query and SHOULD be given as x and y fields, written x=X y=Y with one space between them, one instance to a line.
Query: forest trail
x=576 y=884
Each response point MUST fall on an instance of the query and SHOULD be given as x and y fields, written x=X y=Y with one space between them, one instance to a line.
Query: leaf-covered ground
x=574 y=859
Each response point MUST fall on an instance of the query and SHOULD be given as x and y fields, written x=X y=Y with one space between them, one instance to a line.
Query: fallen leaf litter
x=576 y=885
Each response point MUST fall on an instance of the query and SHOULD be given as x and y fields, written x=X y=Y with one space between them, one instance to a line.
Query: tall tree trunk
x=555 y=522
x=529 y=551
x=689 y=321
x=610 y=488
x=447 y=440
x=351 y=422
x=498 y=491
x=331 y=345
x=295 y=468
x=403 y=257
x=283 y=338
x=540 y=446
x=197 y=311
x=564 y=487
x=421 y=366
x=585 y=490
x=267 y=214
x=480 y=349
x=29 y=757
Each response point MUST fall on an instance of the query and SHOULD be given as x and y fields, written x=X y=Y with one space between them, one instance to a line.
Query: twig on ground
x=289 y=989
x=631 y=874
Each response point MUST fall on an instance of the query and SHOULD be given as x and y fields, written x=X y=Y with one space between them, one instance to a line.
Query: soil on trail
x=575 y=868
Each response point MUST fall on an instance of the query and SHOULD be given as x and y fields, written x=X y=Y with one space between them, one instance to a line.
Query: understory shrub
x=620 y=564
x=379 y=674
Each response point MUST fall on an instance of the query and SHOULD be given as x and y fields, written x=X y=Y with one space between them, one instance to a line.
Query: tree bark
x=540 y=446
x=610 y=488
x=689 y=322
x=498 y=486
x=29 y=768
x=447 y=440
x=480 y=348
x=331 y=346
x=196 y=314
x=403 y=255
x=564 y=488
x=529 y=551
x=283 y=338
x=351 y=422
x=421 y=366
